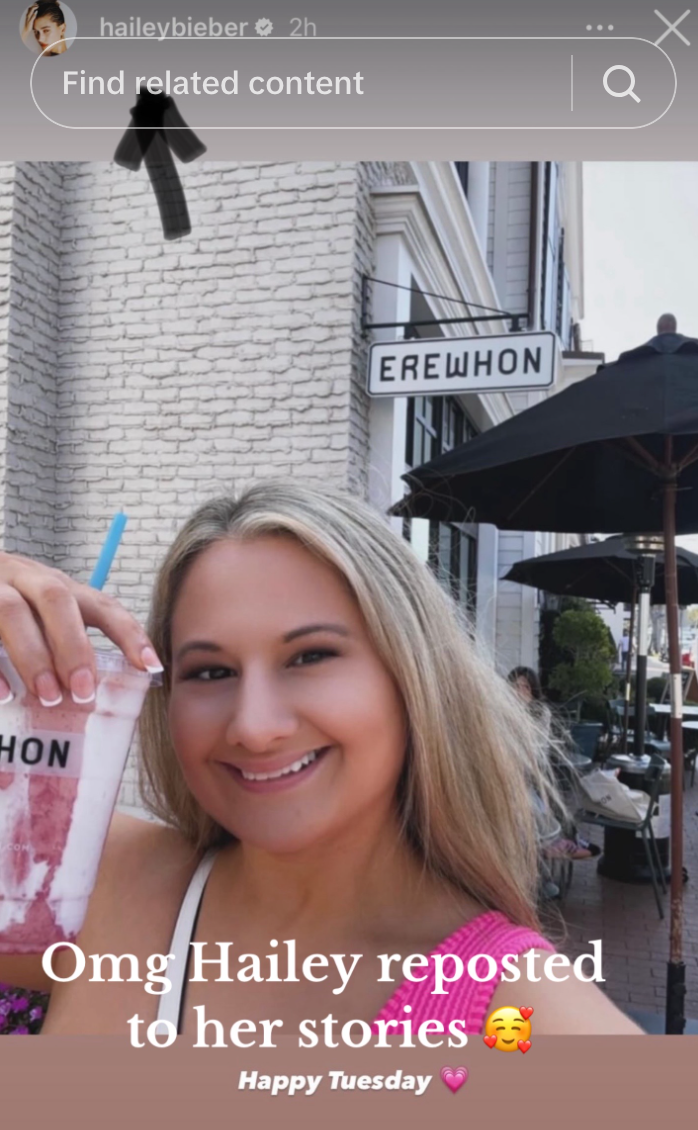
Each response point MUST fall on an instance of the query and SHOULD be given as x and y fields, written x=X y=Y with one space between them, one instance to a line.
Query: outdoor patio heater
x=645 y=547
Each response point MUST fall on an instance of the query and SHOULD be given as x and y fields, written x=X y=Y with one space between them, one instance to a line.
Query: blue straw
x=108 y=553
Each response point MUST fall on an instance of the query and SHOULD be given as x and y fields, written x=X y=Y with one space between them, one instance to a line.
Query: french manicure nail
x=47 y=689
x=6 y=692
x=82 y=686
x=151 y=662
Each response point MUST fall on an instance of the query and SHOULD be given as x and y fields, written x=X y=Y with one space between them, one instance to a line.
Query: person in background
x=527 y=685
x=667 y=324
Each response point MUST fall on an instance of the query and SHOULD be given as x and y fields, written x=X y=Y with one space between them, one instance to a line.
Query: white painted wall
x=509 y=249
x=388 y=416
x=479 y=199
x=511 y=234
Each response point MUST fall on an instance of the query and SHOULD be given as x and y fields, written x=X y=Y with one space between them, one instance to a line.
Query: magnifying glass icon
x=621 y=93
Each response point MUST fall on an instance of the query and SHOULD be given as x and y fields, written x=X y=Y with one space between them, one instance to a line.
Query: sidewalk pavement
x=624 y=915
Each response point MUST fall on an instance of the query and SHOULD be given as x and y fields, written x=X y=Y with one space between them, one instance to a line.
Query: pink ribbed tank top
x=467 y=999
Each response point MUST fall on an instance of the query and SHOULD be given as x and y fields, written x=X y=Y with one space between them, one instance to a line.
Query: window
x=461 y=168
x=422 y=430
x=549 y=281
x=563 y=321
x=436 y=424
x=453 y=557
x=555 y=281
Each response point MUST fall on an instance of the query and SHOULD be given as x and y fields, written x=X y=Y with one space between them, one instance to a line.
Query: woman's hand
x=43 y=616
x=29 y=21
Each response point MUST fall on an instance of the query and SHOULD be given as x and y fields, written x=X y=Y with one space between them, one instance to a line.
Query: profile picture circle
x=48 y=28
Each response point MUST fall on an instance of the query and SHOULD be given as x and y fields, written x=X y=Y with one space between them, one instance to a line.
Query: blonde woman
x=331 y=762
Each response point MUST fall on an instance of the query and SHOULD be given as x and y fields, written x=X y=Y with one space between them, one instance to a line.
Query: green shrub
x=655 y=688
x=586 y=670
x=550 y=654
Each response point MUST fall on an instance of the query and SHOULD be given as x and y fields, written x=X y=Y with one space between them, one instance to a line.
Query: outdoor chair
x=569 y=711
x=616 y=713
x=555 y=872
x=653 y=743
x=555 y=875
x=663 y=746
x=642 y=825
x=585 y=737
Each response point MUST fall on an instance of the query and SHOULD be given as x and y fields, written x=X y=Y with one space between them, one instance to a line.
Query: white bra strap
x=170 y=1003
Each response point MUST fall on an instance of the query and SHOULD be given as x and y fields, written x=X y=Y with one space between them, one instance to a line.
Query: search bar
x=577 y=83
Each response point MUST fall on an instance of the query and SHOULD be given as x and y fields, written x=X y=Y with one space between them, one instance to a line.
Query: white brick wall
x=189 y=368
x=6 y=190
x=30 y=347
x=153 y=375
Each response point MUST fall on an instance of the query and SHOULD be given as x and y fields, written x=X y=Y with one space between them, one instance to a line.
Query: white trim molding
x=436 y=227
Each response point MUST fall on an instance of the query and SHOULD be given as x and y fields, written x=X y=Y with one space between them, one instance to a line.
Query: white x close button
x=672 y=27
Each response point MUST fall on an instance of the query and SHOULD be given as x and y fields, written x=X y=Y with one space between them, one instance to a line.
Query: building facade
x=502 y=235
x=149 y=376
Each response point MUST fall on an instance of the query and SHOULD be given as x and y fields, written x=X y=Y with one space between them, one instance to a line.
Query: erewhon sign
x=469 y=364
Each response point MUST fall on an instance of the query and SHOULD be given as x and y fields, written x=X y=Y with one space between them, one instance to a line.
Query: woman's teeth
x=295 y=767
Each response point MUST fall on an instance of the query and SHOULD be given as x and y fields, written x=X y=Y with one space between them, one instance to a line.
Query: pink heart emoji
x=454 y=1077
x=526 y=1012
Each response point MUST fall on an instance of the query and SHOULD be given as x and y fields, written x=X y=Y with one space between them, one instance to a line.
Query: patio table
x=663 y=710
x=623 y=855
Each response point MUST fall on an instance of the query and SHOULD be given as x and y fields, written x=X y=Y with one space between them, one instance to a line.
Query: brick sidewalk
x=624 y=916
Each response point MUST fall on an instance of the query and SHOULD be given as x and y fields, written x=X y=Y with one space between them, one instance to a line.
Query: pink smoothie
x=60 y=770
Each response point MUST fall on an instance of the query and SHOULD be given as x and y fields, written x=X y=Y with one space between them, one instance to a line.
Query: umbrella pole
x=645 y=582
x=676 y=969
x=628 y=671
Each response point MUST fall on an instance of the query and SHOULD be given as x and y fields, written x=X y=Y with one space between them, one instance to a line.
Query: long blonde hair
x=475 y=758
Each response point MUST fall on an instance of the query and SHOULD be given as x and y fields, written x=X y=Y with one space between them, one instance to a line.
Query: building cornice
x=434 y=220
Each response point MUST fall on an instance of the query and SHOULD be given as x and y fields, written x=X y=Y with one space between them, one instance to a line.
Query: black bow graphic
x=161 y=128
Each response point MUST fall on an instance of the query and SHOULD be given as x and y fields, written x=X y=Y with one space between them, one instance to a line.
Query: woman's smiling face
x=288 y=726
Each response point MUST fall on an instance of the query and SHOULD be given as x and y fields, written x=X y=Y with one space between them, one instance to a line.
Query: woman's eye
x=308 y=658
x=210 y=674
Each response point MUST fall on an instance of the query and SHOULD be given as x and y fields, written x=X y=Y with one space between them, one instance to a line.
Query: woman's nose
x=262 y=716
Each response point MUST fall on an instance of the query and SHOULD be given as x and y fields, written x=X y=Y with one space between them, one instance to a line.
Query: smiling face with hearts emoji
x=507 y=1029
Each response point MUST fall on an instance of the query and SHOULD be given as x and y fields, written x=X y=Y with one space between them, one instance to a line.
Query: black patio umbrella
x=604 y=571
x=608 y=571
x=617 y=451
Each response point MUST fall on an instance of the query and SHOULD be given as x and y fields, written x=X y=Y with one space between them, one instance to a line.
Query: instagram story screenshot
x=348 y=563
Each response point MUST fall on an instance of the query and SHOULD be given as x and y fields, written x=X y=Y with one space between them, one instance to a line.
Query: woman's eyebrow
x=295 y=633
x=309 y=629
x=197 y=645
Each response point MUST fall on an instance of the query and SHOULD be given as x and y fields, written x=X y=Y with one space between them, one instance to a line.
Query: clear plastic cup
x=60 y=770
